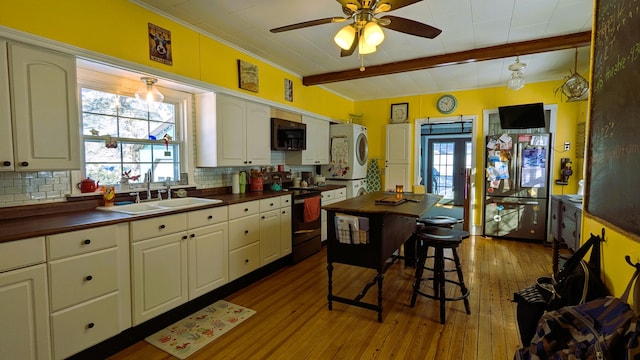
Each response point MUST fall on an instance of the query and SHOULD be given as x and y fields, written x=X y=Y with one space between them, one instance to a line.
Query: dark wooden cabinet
x=565 y=226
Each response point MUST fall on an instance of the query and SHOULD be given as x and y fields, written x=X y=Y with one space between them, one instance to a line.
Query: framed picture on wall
x=160 y=45
x=247 y=76
x=399 y=113
x=288 y=90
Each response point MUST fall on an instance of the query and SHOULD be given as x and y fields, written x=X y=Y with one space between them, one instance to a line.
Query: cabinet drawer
x=243 y=209
x=285 y=201
x=244 y=260
x=206 y=217
x=80 y=327
x=77 y=279
x=327 y=196
x=569 y=233
x=570 y=212
x=21 y=253
x=244 y=231
x=158 y=226
x=340 y=193
x=81 y=241
x=269 y=204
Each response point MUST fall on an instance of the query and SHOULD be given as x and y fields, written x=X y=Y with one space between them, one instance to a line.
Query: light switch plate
x=567 y=146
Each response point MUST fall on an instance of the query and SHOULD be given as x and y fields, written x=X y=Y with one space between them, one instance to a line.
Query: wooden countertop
x=367 y=204
x=65 y=216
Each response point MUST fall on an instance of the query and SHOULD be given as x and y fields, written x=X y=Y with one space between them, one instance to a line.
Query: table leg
x=380 y=278
x=330 y=295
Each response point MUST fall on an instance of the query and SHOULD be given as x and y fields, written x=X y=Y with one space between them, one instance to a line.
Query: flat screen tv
x=526 y=116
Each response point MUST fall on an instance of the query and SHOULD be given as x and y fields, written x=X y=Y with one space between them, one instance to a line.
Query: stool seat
x=440 y=220
x=439 y=238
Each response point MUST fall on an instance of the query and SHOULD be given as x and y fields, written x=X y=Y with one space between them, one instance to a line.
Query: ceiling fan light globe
x=373 y=34
x=364 y=48
x=345 y=37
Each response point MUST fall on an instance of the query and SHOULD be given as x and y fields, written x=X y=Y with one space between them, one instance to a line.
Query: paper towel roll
x=235 y=183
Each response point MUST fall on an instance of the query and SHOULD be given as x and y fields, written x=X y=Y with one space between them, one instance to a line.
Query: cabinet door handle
x=6 y=163
x=284 y=211
x=210 y=217
x=192 y=235
x=246 y=232
x=90 y=325
x=88 y=278
x=162 y=226
x=184 y=237
x=246 y=209
x=87 y=242
x=246 y=261
x=263 y=217
x=24 y=163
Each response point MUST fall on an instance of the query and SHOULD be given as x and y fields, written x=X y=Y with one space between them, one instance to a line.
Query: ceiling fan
x=365 y=32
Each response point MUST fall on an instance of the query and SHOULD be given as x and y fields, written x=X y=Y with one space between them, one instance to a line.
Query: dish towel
x=373 y=176
x=311 y=209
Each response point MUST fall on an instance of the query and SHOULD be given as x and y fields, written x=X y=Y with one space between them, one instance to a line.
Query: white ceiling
x=465 y=24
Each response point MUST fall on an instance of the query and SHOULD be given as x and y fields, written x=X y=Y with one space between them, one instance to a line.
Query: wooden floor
x=293 y=321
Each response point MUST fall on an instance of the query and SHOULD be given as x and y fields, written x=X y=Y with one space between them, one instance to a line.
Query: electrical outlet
x=567 y=146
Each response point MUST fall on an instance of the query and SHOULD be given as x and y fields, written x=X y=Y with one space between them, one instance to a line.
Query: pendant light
x=575 y=87
x=148 y=93
x=516 y=80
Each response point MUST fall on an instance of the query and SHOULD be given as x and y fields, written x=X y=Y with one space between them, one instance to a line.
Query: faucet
x=167 y=182
x=147 y=179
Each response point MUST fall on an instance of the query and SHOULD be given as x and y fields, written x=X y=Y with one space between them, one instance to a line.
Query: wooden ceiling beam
x=488 y=53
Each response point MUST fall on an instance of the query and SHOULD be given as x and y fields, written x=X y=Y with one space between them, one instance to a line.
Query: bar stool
x=440 y=220
x=439 y=238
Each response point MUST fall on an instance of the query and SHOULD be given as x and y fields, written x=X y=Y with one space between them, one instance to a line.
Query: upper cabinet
x=39 y=123
x=241 y=129
x=317 y=152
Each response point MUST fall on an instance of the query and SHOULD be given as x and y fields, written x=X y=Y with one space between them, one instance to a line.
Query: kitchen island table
x=390 y=219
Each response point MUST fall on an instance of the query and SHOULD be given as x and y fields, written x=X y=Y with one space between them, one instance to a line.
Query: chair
x=439 y=238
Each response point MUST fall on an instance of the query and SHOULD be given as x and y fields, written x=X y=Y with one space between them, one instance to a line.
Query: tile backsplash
x=28 y=188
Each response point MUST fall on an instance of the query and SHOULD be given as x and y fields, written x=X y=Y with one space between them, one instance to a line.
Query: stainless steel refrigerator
x=516 y=186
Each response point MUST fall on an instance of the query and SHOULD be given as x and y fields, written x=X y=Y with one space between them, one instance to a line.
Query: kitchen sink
x=159 y=206
x=185 y=202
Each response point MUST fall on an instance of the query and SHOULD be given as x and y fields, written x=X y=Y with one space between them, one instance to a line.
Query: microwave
x=288 y=135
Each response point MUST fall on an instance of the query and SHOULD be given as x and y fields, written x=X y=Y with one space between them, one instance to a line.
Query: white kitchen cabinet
x=160 y=275
x=243 y=133
x=397 y=169
x=43 y=112
x=89 y=287
x=285 y=225
x=317 y=152
x=208 y=248
x=159 y=265
x=244 y=238
x=24 y=307
x=269 y=236
x=329 y=197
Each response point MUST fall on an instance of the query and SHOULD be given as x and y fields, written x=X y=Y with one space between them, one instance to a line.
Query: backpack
x=605 y=328
x=577 y=282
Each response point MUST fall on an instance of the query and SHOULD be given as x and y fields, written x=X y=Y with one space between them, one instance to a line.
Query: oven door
x=303 y=231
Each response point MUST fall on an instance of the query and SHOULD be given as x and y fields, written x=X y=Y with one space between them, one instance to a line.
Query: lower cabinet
x=244 y=260
x=285 y=230
x=23 y=305
x=330 y=197
x=89 y=287
x=159 y=275
x=208 y=260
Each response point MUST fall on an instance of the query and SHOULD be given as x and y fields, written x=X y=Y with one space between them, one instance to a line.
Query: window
x=122 y=136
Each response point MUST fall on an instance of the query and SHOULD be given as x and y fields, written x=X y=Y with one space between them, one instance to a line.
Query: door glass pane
x=443 y=170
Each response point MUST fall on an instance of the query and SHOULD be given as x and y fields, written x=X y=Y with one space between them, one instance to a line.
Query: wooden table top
x=366 y=204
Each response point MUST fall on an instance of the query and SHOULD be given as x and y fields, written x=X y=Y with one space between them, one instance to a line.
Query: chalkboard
x=613 y=169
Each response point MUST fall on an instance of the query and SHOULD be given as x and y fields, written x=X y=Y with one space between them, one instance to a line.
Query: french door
x=448 y=158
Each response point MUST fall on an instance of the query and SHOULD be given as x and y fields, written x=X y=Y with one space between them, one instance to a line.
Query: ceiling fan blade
x=411 y=27
x=349 y=52
x=308 y=24
x=390 y=5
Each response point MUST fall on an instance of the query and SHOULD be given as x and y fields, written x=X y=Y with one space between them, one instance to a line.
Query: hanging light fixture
x=575 y=87
x=148 y=93
x=516 y=80
x=369 y=36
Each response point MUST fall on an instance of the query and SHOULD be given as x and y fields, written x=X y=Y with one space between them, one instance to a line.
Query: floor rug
x=197 y=330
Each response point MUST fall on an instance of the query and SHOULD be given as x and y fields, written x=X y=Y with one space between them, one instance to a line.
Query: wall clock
x=447 y=103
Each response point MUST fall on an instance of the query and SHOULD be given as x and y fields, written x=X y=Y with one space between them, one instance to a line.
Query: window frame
x=126 y=86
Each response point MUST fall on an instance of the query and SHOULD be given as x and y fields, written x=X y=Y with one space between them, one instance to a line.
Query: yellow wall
x=119 y=28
